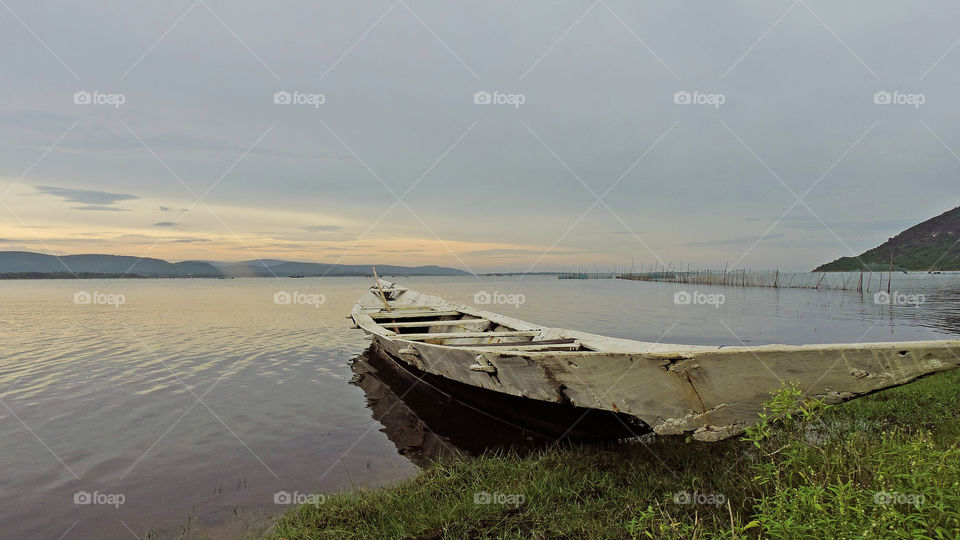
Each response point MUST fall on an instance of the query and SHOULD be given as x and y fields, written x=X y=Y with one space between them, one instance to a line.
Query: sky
x=487 y=136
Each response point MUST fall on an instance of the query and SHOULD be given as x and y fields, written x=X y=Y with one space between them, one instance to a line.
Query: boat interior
x=396 y=312
x=444 y=325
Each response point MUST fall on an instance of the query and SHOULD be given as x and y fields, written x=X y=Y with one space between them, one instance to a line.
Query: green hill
x=931 y=245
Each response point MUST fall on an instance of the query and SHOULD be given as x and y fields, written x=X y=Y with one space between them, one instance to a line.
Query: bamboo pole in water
x=890 y=274
x=678 y=273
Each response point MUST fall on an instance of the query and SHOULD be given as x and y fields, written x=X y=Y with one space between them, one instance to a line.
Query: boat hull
x=709 y=393
x=519 y=421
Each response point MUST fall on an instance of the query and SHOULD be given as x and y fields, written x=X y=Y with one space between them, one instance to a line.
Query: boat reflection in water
x=430 y=418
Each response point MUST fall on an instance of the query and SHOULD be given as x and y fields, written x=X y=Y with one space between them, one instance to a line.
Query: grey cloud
x=84 y=195
x=189 y=240
x=93 y=201
x=323 y=228
x=595 y=94
x=164 y=224
x=100 y=208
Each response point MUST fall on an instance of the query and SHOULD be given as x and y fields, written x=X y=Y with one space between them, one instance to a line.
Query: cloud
x=100 y=208
x=698 y=178
x=164 y=224
x=88 y=197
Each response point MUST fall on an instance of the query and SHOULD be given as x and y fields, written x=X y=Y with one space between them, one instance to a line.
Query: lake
x=201 y=407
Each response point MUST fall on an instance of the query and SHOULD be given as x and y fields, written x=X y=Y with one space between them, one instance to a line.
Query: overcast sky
x=782 y=159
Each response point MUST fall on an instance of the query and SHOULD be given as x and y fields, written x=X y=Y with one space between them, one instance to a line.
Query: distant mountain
x=13 y=262
x=254 y=262
x=32 y=265
x=931 y=245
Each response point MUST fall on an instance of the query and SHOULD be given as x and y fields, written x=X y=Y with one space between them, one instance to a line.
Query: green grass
x=806 y=471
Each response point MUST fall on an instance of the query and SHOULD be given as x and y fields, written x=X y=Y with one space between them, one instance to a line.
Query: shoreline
x=21 y=276
x=881 y=465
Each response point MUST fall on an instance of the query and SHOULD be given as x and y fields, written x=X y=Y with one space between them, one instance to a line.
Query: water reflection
x=109 y=390
x=430 y=418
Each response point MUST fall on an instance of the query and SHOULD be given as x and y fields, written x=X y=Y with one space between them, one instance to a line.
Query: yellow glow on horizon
x=178 y=231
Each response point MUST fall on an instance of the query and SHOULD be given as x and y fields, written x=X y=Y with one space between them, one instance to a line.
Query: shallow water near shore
x=199 y=401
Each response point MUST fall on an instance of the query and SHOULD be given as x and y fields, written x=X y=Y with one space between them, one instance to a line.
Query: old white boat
x=708 y=392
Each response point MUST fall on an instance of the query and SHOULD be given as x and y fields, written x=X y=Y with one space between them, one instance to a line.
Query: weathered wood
x=533 y=346
x=383 y=297
x=707 y=392
x=411 y=314
x=462 y=335
x=452 y=322
x=538 y=342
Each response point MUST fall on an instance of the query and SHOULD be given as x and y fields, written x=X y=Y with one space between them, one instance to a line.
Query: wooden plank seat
x=562 y=341
x=533 y=346
x=409 y=314
x=463 y=335
x=451 y=322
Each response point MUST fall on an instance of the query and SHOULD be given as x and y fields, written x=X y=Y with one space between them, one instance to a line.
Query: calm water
x=196 y=401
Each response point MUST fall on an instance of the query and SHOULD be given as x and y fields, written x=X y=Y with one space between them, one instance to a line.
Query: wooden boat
x=429 y=417
x=708 y=392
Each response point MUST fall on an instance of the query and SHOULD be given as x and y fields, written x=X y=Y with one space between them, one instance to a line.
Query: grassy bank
x=885 y=465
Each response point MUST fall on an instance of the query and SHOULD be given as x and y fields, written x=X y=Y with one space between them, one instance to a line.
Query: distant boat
x=296 y=276
x=708 y=392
